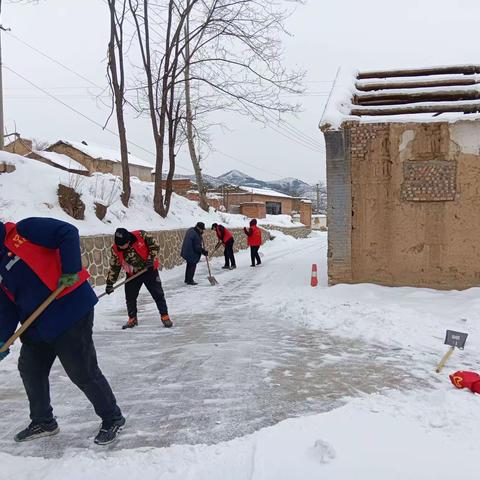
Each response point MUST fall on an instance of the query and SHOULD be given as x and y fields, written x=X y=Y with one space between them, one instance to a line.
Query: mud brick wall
x=403 y=204
x=96 y=250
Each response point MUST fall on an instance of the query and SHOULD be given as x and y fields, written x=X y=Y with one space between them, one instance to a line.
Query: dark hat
x=200 y=225
x=214 y=226
x=253 y=221
x=122 y=236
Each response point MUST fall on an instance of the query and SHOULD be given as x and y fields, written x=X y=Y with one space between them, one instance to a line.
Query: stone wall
x=295 y=232
x=96 y=249
x=404 y=204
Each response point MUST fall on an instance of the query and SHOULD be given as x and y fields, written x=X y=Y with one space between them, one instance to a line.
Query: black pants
x=228 y=253
x=254 y=255
x=190 y=272
x=151 y=280
x=76 y=352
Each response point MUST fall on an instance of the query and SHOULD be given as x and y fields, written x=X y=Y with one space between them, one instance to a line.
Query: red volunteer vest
x=140 y=248
x=44 y=262
x=255 y=239
x=228 y=235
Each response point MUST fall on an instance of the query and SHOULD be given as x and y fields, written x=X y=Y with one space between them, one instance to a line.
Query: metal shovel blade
x=212 y=280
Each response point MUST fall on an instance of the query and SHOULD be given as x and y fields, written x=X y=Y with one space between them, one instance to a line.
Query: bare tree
x=233 y=55
x=116 y=77
x=160 y=69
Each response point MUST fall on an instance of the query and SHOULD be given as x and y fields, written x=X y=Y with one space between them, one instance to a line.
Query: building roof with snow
x=447 y=93
x=61 y=160
x=264 y=191
x=101 y=152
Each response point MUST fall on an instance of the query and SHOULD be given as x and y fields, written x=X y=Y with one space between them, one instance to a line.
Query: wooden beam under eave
x=368 y=111
x=386 y=85
x=411 y=97
x=418 y=72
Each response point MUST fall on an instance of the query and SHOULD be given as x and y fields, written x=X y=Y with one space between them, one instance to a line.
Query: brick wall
x=339 y=208
x=253 y=209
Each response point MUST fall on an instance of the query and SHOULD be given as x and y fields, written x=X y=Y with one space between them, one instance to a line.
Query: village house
x=260 y=202
x=97 y=158
x=403 y=176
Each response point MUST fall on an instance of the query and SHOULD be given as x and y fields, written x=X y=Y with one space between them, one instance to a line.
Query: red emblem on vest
x=44 y=262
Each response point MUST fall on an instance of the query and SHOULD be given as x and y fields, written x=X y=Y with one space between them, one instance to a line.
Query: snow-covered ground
x=31 y=190
x=267 y=378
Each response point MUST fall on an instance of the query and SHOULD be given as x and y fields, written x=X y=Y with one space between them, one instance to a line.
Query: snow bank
x=31 y=190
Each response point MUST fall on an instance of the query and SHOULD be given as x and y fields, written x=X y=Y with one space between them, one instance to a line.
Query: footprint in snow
x=324 y=452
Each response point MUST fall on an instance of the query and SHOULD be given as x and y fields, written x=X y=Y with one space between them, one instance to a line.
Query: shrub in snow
x=71 y=202
x=100 y=210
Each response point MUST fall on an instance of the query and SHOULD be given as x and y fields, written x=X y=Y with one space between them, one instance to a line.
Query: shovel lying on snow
x=44 y=306
x=454 y=340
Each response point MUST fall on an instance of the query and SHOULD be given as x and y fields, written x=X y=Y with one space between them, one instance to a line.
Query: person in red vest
x=254 y=240
x=225 y=237
x=136 y=251
x=37 y=256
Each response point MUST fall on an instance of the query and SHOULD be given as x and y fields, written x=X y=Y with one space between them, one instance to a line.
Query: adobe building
x=403 y=178
x=97 y=158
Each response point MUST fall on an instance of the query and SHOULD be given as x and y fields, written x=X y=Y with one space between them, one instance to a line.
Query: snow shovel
x=211 y=279
x=141 y=272
x=31 y=318
x=455 y=340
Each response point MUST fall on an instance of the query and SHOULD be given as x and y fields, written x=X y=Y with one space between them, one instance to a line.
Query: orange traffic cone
x=314 y=279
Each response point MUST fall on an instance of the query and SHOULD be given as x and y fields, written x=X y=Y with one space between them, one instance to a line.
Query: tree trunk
x=190 y=137
x=118 y=88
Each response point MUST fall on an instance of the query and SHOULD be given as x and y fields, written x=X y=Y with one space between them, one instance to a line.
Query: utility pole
x=2 y=127
x=318 y=197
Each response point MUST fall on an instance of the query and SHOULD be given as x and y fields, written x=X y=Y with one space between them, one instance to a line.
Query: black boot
x=109 y=431
x=37 y=430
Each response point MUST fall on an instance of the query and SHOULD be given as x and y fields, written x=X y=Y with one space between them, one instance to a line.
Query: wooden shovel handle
x=141 y=272
x=31 y=318
x=444 y=360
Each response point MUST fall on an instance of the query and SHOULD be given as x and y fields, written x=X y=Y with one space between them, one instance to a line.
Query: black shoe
x=226 y=267
x=192 y=283
x=109 y=431
x=37 y=430
x=252 y=265
x=233 y=267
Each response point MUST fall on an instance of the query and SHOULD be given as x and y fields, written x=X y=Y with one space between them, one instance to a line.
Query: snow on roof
x=264 y=191
x=102 y=152
x=431 y=94
x=62 y=160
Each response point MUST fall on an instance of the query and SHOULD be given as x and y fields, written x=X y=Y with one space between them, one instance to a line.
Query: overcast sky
x=325 y=35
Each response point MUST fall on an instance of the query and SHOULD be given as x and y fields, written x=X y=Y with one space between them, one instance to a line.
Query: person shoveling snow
x=136 y=251
x=40 y=258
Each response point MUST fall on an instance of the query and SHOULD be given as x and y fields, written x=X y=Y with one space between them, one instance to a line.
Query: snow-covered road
x=233 y=363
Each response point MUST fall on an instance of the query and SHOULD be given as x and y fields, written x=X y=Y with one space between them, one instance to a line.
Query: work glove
x=67 y=280
x=205 y=252
x=109 y=289
x=5 y=353
x=149 y=264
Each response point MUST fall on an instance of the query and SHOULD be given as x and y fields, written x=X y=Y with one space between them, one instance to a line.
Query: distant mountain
x=288 y=186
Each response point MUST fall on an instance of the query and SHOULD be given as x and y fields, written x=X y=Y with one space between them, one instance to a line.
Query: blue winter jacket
x=29 y=291
x=192 y=246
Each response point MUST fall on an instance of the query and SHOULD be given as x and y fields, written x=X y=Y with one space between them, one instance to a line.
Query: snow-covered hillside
x=31 y=190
